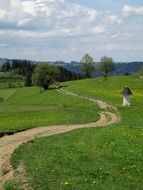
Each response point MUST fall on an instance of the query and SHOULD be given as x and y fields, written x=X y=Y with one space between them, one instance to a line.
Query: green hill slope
x=24 y=108
x=88 y=159
x=109 y=90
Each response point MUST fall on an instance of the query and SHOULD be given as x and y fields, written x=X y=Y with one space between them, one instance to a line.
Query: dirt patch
x=9 y=143
x=20 y=176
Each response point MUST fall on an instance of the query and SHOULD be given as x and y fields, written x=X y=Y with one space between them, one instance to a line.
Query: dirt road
x=9 y=143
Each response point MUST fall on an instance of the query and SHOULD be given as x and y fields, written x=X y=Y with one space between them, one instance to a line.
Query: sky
x=55 y=30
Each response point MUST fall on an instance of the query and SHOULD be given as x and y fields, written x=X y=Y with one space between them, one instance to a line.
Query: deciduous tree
x=44 y=75
x=87 y=65
x=106 y=65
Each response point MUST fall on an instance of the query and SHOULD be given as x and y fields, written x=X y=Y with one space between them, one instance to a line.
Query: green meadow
x=100 y=158
x=109 y=90
x=23 y=108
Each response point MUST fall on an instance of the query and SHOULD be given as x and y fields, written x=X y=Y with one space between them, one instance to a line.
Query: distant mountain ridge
x=121 y=68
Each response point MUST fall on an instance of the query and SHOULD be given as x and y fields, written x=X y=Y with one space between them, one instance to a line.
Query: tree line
x=26 y=69
x=45 y=74
x=19 y=67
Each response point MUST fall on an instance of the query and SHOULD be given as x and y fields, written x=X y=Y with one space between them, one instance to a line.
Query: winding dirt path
x=9 y=143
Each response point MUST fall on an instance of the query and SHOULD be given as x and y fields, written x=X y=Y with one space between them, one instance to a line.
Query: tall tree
x=106 y=65
x=87 y=65
x=28 y=78
x=66 y=75
x=7 y=67
x=44 y=75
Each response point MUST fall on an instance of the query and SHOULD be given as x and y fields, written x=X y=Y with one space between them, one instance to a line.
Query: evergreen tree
x=28 y=79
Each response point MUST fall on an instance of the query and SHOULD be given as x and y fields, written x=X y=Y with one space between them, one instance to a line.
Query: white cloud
x=23 y=22
x=98 y=30
x=55 y=18
x=17 y=33
x=114 y=19
x=63 y=28
x=121 y=35
x=2 y=14
x=129 y=10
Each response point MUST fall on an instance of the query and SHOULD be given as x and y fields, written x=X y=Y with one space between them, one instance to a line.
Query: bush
x=1 y=99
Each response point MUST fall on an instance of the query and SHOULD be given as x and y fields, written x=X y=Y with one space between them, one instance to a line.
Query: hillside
x=96 y=158
x=23 y=108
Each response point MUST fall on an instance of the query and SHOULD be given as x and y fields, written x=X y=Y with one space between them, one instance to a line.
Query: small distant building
x=126 y=96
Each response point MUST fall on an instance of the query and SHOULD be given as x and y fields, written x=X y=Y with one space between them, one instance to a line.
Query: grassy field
x=96 y=158
x=24 y=108
x=88 y=159
x=109 y=90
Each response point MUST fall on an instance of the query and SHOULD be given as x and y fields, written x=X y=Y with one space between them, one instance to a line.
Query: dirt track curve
x=9 y=143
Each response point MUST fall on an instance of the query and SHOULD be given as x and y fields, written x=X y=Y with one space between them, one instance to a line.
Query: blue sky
x=51 y=30
x=107 y=4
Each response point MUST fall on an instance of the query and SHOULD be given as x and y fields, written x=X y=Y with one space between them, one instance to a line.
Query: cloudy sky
x=67 y=29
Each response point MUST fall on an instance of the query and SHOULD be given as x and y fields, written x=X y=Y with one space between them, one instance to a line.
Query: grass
x=5 y=94
x=12 y=185
x=103 y=158
x=24 y=108
x=109 y=90
x=96 y=158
